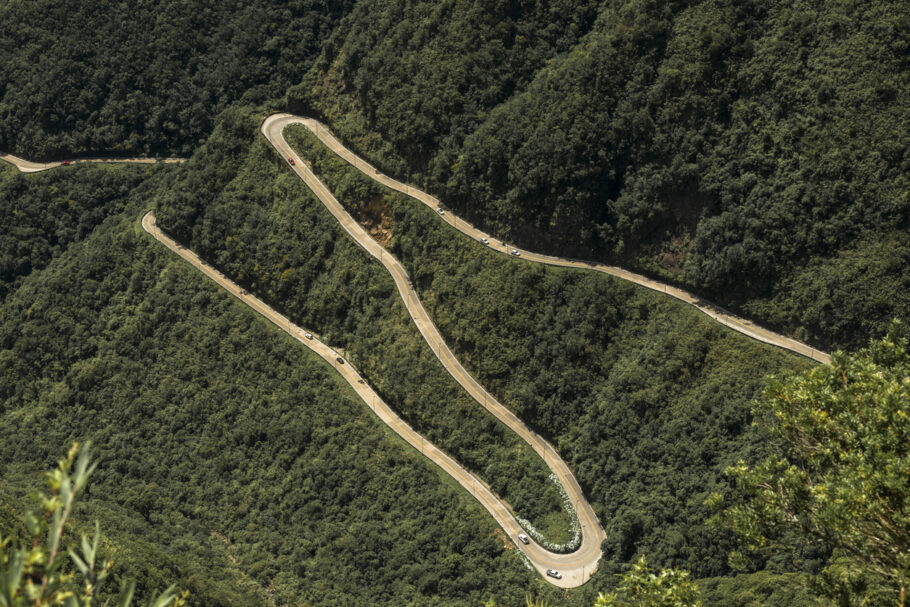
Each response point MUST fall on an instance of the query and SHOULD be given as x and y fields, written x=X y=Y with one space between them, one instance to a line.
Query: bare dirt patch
x=673 y=254
x=501 y=536
x=376 y=217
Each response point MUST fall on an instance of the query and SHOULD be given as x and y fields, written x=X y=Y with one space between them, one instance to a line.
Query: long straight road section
x=576 y=567
x=728 y=319
x=27 y=166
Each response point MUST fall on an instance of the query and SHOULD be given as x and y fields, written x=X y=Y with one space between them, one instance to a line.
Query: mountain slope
x=756 y=152
x=145 y=77
x=233 y=463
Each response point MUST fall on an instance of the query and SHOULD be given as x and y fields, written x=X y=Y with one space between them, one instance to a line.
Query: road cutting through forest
x=576 y=567
x=27 y=166
x=275 y=123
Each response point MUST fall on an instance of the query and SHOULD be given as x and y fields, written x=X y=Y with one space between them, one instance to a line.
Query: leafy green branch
x=34 y=574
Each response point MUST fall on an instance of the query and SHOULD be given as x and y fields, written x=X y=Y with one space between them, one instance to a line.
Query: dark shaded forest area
x=756 y=152
x=146 y=77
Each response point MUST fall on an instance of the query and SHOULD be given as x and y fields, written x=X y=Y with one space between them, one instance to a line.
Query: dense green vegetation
x=763 y=588
x=232 y=462
x=37 y=572
x=43 y=214
x=264 y=228
x=837 y=472
x=145 y=77
x=754 y=151
x=646 y=398
x=643 y=586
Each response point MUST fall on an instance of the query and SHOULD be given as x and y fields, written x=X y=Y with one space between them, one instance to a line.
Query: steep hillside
x=233 y=463
x=43 y=214
x=646 y=397
x=228 y=464
x=145 y=77
x=757 y=152
x=754 y=152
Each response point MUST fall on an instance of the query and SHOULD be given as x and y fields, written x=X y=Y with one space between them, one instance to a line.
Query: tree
x=642 y=586
x=36 y=576
x=839 y=472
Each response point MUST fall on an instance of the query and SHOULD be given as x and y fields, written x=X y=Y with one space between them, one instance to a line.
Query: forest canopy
x=754 y=152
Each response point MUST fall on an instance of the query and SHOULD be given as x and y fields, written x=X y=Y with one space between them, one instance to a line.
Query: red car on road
x=291 y=160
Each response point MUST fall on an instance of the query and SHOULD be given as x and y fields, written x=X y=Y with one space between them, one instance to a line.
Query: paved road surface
x=27 y=166
x=716 y=312
x=576 y=567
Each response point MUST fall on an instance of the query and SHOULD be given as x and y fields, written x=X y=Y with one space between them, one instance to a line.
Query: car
x=441 y=211
x=340 y=360
x=291 y=160
x=524 y=538
x=360 y=381
x=516 y=252
x=554 y=573
x=66 y=163
x=484 y=241
x=308 y=335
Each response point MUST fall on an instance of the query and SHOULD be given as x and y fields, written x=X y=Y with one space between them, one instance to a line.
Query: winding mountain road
x=275 y=123
x=576 y=567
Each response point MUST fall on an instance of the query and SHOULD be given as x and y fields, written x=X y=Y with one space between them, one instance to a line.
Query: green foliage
x=36 y=574
x=236 y=464
x=43 y=214
x=143 y=78
x=646 y=399
x=839 y=474
x=643 y=586
x=722 y=144
x=759 y=590
x=426 y=73
x=755 y=152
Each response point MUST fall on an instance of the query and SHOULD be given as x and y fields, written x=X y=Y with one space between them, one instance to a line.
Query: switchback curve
x=576 y=568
